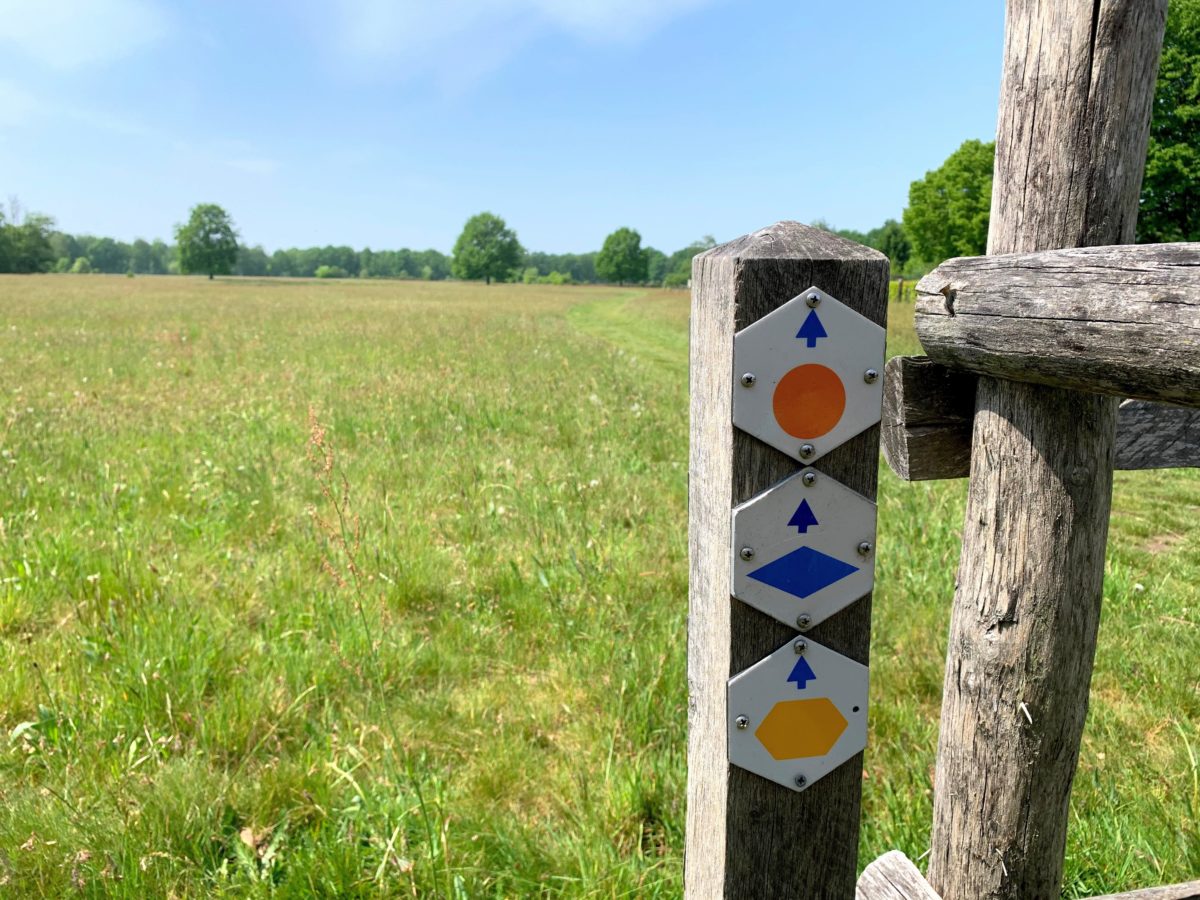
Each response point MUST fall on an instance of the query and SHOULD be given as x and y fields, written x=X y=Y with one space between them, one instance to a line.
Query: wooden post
x=1077 y=86
x=748 y=837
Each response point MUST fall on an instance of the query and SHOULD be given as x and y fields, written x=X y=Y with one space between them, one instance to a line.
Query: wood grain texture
x=893 y=877
x=748 y=837
x=927 y=414
x=928 y=411
x=1123 y=320
x=1076 y=91
x=1189 y=891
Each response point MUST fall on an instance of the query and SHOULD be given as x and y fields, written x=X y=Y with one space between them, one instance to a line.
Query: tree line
x=946 y=216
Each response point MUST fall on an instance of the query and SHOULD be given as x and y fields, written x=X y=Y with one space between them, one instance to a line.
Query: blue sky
x=387 y=124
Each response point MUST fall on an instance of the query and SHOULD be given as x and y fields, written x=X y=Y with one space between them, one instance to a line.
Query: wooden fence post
x=1076 y=93
x=748 y=837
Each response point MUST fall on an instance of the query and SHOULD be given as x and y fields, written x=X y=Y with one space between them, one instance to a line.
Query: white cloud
x=68 y=34
x=458 y=41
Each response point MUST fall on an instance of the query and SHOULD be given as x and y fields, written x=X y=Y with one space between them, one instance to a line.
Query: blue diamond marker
x=803 y=572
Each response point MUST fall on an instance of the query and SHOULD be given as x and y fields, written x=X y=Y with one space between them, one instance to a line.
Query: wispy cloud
x=68 y=34
x=457 y=41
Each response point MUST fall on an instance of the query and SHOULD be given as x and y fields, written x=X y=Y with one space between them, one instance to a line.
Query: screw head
x=813 y=300
x=742 y=723
x=807 y=450
x=748 y=379
x=803 y=621
x=800 y=646
x=810 y=478
x=747 y=553
x=871 y=376
x=864 y=548
x=801 y=781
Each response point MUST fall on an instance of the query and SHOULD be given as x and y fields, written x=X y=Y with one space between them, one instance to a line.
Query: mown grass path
x=431 y=641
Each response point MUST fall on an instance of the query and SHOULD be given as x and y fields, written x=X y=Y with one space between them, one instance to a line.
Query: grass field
x=359 y=589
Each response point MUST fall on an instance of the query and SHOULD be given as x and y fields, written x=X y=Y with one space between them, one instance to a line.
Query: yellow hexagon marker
x=795 y=729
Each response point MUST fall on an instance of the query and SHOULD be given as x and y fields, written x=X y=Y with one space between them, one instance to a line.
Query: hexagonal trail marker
x=804 y=548
x=796 y=730
x=808 y=376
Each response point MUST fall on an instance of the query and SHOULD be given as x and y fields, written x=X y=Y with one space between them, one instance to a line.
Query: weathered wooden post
x=1078 y=82
x=748 y=837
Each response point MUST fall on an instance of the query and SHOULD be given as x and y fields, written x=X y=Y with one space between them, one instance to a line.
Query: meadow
x=380 y=589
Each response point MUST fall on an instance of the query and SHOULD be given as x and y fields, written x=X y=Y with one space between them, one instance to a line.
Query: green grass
x=451 y=660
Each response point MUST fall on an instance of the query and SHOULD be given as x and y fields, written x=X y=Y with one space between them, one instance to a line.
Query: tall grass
x=428 y=640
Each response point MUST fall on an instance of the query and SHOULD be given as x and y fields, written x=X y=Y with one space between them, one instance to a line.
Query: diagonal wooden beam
x=1123 y=320
x=928 y=408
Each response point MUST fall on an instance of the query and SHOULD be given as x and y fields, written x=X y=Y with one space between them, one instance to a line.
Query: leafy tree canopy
x=621 y=258
x=1170 y=203
x=947 y=213
x=679 y=263
x=487 y=249
x=207 y=243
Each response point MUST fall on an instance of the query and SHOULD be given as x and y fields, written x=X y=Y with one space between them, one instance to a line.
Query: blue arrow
x=803 y=572
x=812 y=330
x=803 y=517
x=802 y=674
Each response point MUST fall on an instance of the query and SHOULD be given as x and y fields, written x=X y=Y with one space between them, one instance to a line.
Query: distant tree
x=890 y=240
x=679 y=264
x=107 y=255
x=1170 y=203
x=326 y=271
x=81 y=266
x=656 y=265
x=947 y=213
x=251 y=261
x=141 y=257
x=208 y=242
x=621 y=258
x=29 y=248
x=487 y=249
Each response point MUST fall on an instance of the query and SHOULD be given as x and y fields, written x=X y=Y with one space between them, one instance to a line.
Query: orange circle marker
x=809 y=401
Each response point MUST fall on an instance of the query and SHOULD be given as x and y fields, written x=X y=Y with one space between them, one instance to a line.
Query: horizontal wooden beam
x=1122 y=320
x=927 y=412
x=893 y=877
x=1189 y=891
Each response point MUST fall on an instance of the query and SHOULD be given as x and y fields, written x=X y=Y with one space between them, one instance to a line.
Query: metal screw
x=810 y=478
x=870 y=376
x=803 y=621
x=801 y=781
x=747 y=553
x=807 y=450
x=748 y=379
x=741 y=722
x=864 y=548
x=813 y=300
x=800 y=646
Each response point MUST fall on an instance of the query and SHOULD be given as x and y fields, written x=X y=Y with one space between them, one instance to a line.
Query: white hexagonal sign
x=797 y=715
x=804 y=549
x=808 y=376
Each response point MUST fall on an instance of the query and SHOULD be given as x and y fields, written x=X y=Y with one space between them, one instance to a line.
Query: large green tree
x=621 y=258
x=947 y=213
x=208 y=242
x=487 y=249
x=1170 y=206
